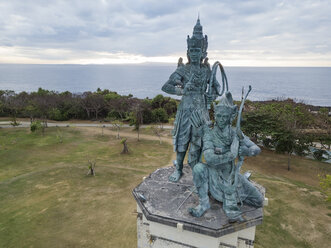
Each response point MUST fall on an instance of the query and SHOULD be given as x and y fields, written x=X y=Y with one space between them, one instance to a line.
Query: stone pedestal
x=163 y=219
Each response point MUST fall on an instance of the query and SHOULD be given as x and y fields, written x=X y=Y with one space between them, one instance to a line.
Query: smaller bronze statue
x=220 y=175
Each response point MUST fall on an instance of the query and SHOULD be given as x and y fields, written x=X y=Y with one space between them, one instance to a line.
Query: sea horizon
x=310 y=85
x=157 y=64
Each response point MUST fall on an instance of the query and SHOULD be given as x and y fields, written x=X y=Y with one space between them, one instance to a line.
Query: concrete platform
x=163 y=207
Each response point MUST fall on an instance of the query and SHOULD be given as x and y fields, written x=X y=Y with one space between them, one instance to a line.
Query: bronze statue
x=220 y=174
x=191 y=82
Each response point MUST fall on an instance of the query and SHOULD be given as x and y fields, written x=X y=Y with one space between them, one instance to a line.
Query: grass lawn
x=47 y=200
x=297 y=214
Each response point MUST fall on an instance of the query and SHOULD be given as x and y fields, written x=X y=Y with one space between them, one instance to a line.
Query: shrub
x=267 y=142
x=125 y=146
x=318 y=154
x=14 y=123
x=35 y=126
x=325 y=183
x=57 y=115
x=159 y=115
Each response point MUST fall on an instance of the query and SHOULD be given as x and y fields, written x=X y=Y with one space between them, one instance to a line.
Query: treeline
x=283 y=125
x=288 y=127
x=98 y=105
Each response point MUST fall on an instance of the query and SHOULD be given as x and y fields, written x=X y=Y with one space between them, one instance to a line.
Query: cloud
x=290 y=29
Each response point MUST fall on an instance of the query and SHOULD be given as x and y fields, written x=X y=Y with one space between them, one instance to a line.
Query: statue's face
x=195 y=54
x=222 y=118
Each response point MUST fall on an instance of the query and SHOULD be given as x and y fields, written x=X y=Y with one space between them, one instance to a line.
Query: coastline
x=308 y=84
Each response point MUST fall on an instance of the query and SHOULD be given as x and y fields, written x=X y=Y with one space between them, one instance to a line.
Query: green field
x=297 y=214
x=47 y=200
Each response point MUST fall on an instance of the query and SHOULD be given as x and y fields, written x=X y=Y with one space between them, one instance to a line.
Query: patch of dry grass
x=50 y=202
x=47 y=200
x=297 y=215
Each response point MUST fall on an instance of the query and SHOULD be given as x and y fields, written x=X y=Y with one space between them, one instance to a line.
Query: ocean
x=311 y=85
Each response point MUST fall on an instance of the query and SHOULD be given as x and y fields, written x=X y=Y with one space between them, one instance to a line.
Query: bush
x=159 y=115
x=267 y=142
x=14 y=123
x=57 y=115
x=113 y=115
x=147 y=116
x=318 y=154
x=325 y=183
x=35 y=126
x=301 y=147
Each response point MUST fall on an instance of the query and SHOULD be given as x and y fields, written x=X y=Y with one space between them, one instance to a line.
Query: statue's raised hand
x=188 y=87
x=179 y=91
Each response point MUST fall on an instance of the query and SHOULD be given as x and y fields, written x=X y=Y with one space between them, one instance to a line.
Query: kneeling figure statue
x=220 y=174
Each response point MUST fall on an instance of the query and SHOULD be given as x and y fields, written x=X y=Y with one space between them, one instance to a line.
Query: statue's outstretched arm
x=174 y=85
x=248 y=147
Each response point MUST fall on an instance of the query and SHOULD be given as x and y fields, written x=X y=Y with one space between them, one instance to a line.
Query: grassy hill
x=47 y=200
x=297 y=214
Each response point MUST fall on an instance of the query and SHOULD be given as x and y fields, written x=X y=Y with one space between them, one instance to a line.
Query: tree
x=159 y=115
x=2 y=101
x=118 y=125
x=293 y=120
x=125 y=146
x=43 y=101
x=157 y=130
x=31 y=111
x=55 y=114
x=15 y=104
x=280 y=125
x=102 y=128
x=158 y=101
x=59 y=135
x=289 y=135
x=147 y=111
x=166 y=103
x=171 y=106
x=137 y=118
x=92 y=102
x=71 y=106
x=119 y=107
x=67 y=107
x=324 y=122
x=258 y=125
x=91 y=166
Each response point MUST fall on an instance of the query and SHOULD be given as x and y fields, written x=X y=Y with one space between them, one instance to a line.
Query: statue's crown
x=226 y=104
x=198 y=40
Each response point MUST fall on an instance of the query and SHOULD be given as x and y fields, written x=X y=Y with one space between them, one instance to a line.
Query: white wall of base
x=155 y=235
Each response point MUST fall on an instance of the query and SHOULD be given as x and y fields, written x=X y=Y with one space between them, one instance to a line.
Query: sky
x=240 y=33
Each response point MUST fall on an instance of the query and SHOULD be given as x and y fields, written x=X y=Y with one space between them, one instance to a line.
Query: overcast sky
x=241 y=33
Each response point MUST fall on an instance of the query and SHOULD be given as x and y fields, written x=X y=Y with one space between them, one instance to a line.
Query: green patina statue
x=220 y=175
x=221 y=145
x=191 y=82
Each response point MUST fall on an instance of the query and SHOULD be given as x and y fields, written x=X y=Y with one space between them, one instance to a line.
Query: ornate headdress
x=198 y=40
x=226 y=105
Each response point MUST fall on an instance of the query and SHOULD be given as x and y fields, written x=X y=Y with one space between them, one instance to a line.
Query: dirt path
x=126 y=134
x=95 y=131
